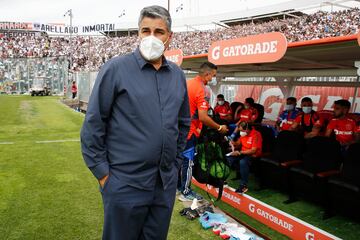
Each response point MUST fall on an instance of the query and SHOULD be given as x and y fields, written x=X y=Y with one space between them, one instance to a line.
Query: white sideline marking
x=58 y=141
x=6 y=143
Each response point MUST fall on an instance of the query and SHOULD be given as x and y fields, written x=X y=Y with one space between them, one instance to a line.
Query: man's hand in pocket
x=103 y=180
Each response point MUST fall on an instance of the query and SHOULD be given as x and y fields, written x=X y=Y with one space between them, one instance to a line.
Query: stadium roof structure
x=284 y=9
x=328 y=57
x=289 y=9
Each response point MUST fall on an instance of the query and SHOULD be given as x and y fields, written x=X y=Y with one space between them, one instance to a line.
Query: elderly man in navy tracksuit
x=135 y=131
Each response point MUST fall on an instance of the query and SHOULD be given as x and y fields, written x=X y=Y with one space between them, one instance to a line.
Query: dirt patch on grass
x=27 y=110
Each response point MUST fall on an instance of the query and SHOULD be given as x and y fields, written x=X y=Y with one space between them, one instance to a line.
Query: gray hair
x=156 y=12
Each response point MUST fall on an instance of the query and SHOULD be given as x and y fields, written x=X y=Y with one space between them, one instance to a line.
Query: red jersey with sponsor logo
x=344 y=129
x=196 y=93
x=308 y=120
x=223 y=110
x=248 y=115
x=252 y=140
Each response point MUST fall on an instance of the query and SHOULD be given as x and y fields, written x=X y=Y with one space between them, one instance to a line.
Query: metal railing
x=18 y=74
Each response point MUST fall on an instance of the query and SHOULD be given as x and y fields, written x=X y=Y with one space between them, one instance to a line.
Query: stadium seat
x=268 y=137
x=325 y=116
x=287 y=151
x=322 y=159
x=261 y=112
x=355 y=116
x=344 y=190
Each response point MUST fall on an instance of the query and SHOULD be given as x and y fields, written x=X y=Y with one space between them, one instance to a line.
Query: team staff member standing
x=199 y=116
x=135 y=132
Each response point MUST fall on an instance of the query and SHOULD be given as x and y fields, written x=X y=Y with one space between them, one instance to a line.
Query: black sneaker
x=192 y=214
x=242 y=189
x=184 y=211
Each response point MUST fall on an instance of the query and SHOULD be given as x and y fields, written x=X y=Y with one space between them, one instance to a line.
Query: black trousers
x=131 y=213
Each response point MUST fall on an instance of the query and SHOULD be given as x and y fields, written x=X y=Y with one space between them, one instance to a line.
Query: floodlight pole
x=71 y=26
x=169 y=5
x=70 y=13
x=70 y=42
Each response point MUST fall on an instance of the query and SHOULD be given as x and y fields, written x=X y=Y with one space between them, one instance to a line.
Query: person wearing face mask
x=249 y=113
x=288 y=116
x=308 y=121
x=247 y=147
x=223 y=108
x=134 y=133
x=199 y=107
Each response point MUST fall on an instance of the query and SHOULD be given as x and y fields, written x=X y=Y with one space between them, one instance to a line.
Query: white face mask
x=243 y=133
x=151 y=48
x=213 y=82
x=289 y=107
x=221 y=103
x=307 y=110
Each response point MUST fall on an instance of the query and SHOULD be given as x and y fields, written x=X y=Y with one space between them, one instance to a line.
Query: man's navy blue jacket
x=136 y=122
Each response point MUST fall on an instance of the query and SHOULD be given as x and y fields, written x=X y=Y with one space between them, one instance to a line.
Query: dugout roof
x=330 y=57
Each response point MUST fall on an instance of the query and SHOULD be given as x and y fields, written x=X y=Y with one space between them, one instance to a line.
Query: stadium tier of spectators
x=89 y=53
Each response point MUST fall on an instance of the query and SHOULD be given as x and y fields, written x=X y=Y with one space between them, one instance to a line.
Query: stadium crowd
x=89 y=53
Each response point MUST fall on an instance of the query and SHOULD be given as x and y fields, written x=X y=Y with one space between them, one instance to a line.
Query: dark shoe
x=242 y=189
x=184 y=211
x=205 y=208
x=192 y=214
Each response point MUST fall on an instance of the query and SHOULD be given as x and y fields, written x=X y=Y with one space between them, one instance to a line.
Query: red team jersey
x=223 y=110
x=253 y=139
x=344 y=129
x=309 y=119
x=73 y=88
x=196 y=93
x=248 y=115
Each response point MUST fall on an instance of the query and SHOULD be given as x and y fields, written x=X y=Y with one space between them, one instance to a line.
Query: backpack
x=210 y=165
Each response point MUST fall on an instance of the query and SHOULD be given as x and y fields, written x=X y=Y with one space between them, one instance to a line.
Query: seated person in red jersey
x=308 y=121
x=249 y=113
x=343 y=127
x=223 y=108
x=247 y=147
x=288 y=116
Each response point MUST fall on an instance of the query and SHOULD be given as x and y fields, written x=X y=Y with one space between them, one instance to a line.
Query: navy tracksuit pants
x=131 y=213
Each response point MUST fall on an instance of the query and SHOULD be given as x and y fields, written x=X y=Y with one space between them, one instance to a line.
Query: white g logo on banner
x=309 y=236
x=252 y=208
x=216 y=53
